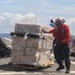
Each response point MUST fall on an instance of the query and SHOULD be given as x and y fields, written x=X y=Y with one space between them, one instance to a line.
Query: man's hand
x=44 y=31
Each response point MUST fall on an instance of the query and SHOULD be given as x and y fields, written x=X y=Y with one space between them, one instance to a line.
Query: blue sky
x=42 y=9
x=45 y=8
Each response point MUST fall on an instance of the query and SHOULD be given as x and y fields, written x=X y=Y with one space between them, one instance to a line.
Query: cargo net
x=5 y=51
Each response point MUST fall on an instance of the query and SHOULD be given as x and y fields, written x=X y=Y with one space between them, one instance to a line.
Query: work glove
x=44 y=31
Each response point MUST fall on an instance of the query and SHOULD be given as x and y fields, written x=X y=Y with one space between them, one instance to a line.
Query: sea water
x=7 y=35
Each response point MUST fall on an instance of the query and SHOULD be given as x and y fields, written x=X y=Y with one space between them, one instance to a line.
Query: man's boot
x=67 y=70
x=60 y=67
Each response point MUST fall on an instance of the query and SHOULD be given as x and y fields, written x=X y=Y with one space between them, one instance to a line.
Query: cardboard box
x=49 y=44
x=29 y=60
x=30 y=28
x=20 y=41
x=34 y=43
x=30 y=51
x=15 y=59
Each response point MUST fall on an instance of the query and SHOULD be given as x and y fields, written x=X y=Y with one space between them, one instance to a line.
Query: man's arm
x=51 y=31
x=45 y=31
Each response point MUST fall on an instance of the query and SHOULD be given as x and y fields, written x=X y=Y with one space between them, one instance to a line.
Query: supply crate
x=31 y=49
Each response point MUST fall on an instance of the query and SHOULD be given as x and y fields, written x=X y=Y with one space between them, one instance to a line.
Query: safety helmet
x=58 y=22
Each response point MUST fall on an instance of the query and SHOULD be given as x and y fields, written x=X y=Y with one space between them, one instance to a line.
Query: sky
x=14 y=11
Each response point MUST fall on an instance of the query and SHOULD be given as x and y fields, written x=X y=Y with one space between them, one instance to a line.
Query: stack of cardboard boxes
x=31 y=51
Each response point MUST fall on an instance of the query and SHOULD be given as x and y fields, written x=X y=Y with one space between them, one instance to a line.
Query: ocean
x=7 y=35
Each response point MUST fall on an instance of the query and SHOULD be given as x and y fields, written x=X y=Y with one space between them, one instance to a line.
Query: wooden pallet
x=25 y=66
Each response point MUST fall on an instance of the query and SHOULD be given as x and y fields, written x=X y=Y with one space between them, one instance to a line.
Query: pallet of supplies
x=31 y=51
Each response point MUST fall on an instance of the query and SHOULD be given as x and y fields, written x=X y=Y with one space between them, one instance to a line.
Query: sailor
x=62 y=34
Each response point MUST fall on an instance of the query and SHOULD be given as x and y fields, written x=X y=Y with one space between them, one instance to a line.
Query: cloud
x=71 y=23
x=8 y=20
x=44 y=4
x=8 y=1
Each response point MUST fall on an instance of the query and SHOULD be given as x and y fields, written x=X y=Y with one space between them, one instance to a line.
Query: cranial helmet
x=58 y=22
